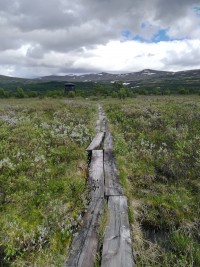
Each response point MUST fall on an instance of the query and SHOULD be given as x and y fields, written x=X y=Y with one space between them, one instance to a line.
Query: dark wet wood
x=104 y=125
x=96 y=142
x=98 y=126
x=96 y=174
x=108 y=141
x=117 y=251
x=111 y=175
x=103 y=120
x=85 y=244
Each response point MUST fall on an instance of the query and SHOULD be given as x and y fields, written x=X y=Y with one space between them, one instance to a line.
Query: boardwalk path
x=105 y=188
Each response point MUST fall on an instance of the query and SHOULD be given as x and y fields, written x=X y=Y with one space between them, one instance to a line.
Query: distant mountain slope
x=133 y=76
x=146 y=78
x=105 y=77
x=8 y=79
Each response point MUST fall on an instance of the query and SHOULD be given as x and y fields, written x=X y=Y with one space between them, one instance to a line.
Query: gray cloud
x=189 y=58
x=63 y=26
x=35 y=51
x=170 y=11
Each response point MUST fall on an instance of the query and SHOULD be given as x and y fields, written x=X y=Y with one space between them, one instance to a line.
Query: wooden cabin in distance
x=69 y=87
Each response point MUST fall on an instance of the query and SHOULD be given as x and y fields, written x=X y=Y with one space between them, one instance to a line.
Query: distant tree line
x=88 y=89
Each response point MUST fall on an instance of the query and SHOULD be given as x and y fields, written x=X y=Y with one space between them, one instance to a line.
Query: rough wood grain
x=104 y=182
x=112 y=183
x=104 y=125
x=117 y=251
x=98 y=126
x=108 y=141
x=84 y=247
x=103 y=120
x=96 y=174
x=96 y=142
x=100 y=107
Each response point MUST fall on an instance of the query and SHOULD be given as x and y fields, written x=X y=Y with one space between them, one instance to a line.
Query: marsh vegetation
x=157 y=144
x=43 y=178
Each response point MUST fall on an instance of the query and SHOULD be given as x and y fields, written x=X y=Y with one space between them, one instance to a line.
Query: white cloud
x=127 y=56
x=58 y=36
x=115 y=56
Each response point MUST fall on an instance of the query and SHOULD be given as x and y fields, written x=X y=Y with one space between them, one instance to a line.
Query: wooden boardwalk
x=105 y=187
x=117 y=249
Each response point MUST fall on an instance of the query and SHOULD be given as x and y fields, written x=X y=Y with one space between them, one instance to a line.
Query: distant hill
x=144 y=79
x=8 y=79
x=105 y=77
x=146 y=74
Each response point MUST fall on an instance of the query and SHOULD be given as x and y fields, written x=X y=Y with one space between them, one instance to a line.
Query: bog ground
x=43 y=176
x=157 y=144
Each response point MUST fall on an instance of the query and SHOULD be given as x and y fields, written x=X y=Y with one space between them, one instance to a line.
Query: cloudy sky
x=44 y=37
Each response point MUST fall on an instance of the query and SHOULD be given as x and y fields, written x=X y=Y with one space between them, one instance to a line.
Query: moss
x=42 y=177
x=157 y=147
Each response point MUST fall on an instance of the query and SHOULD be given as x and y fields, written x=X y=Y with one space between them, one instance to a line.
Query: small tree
x=20 y=93
x=2 y=93
x=183 y=91
x=156 y=91
x=166 y=92
x=114 y=94
x=122 y=93
x=32 y=94
x=98 y=89
x=71 y=94
x=117 y=86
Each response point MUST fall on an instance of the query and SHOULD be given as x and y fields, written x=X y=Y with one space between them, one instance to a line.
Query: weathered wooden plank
x=111 y=175
x=98 y=126
x=103 y=120
x=108 y=141
x=101 y=116
x=99 y=120
x=96 y=174
x=96 y=142
x=104 y=125
x=117 y=251
x=100 y=108
x=84 y=246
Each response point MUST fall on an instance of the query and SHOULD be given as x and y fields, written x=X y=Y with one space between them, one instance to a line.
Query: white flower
x=40 y=158
x=6 y=162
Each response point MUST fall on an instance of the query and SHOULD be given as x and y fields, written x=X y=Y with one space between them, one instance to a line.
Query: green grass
x=157 y=144
x=43 y=178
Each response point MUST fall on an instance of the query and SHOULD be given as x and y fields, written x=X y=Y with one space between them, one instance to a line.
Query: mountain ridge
x=105 y=76
x=144 y=75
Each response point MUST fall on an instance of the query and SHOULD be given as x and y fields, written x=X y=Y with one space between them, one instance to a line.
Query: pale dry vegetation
x=157 y=143
x=43 y=178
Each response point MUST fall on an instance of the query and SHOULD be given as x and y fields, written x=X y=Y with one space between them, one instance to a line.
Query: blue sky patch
x=143 y=25
x=139 y=38
x=144 y=37
x=197 y=10
x=161 y=35
x=126 y=34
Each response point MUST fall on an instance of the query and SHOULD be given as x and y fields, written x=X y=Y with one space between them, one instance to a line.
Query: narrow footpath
x=105 y=188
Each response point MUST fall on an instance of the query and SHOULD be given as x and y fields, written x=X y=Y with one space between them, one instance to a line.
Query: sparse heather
x=43 y=171
x=157 y=144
